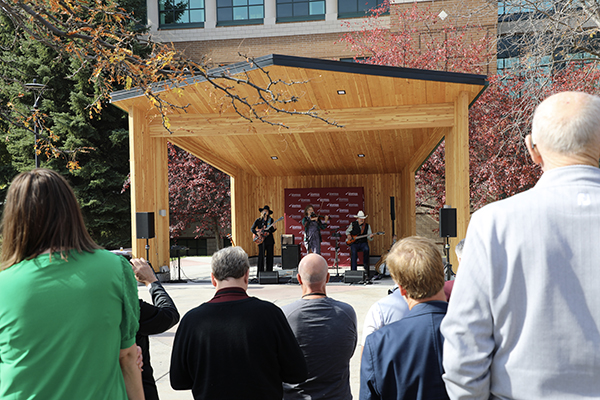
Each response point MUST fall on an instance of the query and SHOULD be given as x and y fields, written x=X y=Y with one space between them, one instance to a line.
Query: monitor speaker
x=354 y=276
x=290 y=256
x=447 y=222
x=294 y=277
x=144 y=225
x=267 y=277
x=393 y=208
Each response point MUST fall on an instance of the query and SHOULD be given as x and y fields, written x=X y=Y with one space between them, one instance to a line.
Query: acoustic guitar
x=261 y=234
x=353 y=238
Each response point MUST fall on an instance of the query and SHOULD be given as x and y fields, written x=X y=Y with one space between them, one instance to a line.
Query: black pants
x=265 y=248
x=354 y=249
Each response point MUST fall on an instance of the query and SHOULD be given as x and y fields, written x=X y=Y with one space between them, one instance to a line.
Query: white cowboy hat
x=361 y=215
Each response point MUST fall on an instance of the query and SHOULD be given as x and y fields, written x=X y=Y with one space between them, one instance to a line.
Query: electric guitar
x=353 y=238
x=230 y=237
x=260 y=234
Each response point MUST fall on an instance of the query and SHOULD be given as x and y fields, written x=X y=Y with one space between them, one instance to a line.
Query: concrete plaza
x=198 y=289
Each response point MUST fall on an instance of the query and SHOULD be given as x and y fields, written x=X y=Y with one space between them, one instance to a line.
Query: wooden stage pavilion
x=395 y=117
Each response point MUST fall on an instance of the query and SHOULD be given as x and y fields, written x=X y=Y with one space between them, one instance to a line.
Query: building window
x=356 y=8
x=174 y=13
x=300 y=10
x=240 y=12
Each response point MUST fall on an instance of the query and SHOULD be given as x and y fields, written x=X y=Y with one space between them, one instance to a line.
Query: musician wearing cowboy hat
x=359 y=228
x=268 y=243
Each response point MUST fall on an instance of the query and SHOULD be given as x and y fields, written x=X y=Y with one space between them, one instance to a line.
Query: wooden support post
x=457 y=168
x=149 y=188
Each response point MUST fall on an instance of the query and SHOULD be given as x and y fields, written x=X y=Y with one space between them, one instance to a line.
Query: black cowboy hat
x=265 y=208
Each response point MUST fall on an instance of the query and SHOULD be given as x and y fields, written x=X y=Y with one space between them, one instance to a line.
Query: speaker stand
x=448 y=273
x=178 y=280
x=337 y=277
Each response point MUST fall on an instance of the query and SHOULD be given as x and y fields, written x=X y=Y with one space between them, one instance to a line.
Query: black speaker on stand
x=144 y=226
x=447 y=230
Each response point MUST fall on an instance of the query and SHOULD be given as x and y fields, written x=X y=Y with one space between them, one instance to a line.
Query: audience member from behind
x=385 y=311
x=524 y=318
x=155 y=318
x=403 y=360
x=235 y=346
x=326 y=332
x=449 y=285
x=68 y=309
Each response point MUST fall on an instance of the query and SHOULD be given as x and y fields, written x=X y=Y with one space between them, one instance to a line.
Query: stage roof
x=391 y=117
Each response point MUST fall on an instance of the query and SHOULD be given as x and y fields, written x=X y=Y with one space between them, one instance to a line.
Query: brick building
x=219 y=30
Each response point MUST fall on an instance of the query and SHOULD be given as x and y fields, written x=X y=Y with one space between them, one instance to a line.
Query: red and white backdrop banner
x=341 y=204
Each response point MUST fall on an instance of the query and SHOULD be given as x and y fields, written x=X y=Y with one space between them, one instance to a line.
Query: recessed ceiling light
x=274 y=158
x=341 y=92
x=361 y=155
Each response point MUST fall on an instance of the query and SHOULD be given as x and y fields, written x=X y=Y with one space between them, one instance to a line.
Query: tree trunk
x=217 y=233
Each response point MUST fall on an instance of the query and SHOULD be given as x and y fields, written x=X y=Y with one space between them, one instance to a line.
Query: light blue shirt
x=524 y=320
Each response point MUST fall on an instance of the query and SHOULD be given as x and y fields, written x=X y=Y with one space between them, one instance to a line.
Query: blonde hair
x=41 y=214
x=416 y=264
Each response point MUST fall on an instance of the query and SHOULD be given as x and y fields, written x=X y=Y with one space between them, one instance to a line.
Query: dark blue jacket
x=403 y=360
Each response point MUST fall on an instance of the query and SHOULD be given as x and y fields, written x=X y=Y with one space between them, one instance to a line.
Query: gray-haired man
x=524 y=319
x=235 y=346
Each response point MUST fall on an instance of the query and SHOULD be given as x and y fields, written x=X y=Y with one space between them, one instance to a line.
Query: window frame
x=299 y=18
x=178 y=25
x=237 y=22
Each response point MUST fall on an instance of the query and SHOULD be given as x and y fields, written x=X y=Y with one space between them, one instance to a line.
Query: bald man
x=524 y=320
x=326 y=332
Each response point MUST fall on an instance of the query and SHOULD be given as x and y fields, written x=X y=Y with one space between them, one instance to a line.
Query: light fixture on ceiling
x=341 y=92
x=361 y=155
x=274 y=158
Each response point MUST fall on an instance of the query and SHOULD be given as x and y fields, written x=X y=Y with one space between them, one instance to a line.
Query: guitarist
x=359 y=228
x=267 y=245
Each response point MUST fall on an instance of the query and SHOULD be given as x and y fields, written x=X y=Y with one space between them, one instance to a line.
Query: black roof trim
x=319 y=64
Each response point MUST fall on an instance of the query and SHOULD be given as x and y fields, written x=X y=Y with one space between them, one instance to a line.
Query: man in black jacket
x=235 y=346
x=154 y=319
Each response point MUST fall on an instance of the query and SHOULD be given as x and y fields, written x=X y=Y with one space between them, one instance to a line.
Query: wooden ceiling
x=389 y=115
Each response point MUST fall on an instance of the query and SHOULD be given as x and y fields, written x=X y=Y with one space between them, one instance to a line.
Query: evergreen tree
x=94 y=154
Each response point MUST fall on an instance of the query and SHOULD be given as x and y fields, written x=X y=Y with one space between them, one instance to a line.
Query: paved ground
x=191 y=294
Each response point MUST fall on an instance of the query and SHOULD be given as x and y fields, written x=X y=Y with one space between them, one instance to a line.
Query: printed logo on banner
x=325 y=243
x=332 y=194
x=323 y=199
x=331 y=248
x=304 y=200
x=334 y=216
x=312 y=194
x=352 y=194
x=295 y=206
x=326 y=254
x=334 y=205
x=295 y=226
x=353 y=205
x=345 y=254
x=297 y=217
x=342 y=210
x=332 y=227
x=295 y=195
x=343 y=199
x=344 y=221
